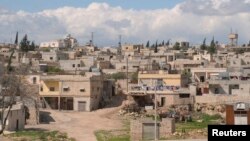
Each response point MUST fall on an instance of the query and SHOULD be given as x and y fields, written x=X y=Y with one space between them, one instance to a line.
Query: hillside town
x=62 y=79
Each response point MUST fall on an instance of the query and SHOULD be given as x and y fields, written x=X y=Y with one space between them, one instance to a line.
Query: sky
x=137 y=21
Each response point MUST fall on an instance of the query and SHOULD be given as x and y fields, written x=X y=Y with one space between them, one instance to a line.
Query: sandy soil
x=80 y=125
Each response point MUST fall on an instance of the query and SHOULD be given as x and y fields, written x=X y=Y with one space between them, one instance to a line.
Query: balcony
x=145 y=90
x=49 y=93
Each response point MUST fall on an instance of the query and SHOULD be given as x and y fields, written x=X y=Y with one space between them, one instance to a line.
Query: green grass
x=103 y=135
x=115 y=135
x=205 y=120
x=40 y=136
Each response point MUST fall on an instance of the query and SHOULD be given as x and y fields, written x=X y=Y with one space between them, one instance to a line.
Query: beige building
x=71 y=92
x=151 y=78
x=16 y=118
x=170 y=89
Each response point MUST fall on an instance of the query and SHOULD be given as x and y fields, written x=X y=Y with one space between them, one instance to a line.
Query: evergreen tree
x=32 y=46
x=168 y=43
x=212 y=47
x=203 y=46
x=177 y=46
x=156 y=47
x=24 y=44
x=147 y=45
x=163 y=43
x=16 y=40
x=248 y=44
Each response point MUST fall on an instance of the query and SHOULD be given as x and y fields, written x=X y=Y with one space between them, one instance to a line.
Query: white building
x=53 y=44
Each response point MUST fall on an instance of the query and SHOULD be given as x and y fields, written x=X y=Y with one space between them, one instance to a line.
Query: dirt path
x=81 y=125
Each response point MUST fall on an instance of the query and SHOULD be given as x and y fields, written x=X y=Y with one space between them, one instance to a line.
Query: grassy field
x=200 y=123
x=39 y=136
x=184 y=129
x=115 y=135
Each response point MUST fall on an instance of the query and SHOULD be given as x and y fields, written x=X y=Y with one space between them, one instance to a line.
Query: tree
x=32 y=46
x=168 y=43
x=16 y=40
x=25 y=43
x=148 y=45
x=248 y=44
x=177 y=46
x=119 y=75
x=163 y=43
x=134 y=77
x=203 y=45
x=212 y=47
x=156 y=47
x=12 y=91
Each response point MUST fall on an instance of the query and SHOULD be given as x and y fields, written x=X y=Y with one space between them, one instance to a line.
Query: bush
x=118 y=75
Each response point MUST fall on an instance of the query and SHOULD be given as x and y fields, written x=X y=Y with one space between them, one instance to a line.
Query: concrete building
x=238 y=114
x=161 y=77
x=53 y=44
x=170 y=89
x=71 y=65
x=145 y=129
x=67 y=42
x=187 y=64
x=71 y=92
x=16 y=118
x=54 y=56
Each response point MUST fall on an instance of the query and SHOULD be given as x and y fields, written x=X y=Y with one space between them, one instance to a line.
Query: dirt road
x=80 y=125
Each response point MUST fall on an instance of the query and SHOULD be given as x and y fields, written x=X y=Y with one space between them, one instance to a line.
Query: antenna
x=92 y=38
x=120 y=45
x=120 y=40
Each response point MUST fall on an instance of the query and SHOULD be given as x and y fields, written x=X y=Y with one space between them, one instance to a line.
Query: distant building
x=68 y=42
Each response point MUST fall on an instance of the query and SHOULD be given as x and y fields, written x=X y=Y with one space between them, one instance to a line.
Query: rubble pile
x=210 y=109
x=131 y=109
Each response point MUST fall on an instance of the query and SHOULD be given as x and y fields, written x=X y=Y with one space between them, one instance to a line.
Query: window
x=78 y=65
x=34 y=80
x=41 y=88
x=66 y=89
x=216 y=90
x=51 y=58
x=98 y=89
x=52 y=89
x=82 y=90
x=184 y=95
x=73 y=65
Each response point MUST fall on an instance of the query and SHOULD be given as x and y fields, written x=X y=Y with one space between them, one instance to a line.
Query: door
x=17 y=125
x=81 y=105
x=148 y=131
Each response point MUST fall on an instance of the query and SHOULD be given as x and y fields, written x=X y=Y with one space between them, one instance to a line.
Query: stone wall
x=167 y=127
x=221 y=99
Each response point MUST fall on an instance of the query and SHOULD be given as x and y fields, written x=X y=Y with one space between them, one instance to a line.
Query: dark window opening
x=82 y=90
x=202 y=79
x=34 y=80
x=65 y=89
x=184 y=95
x=52 y=89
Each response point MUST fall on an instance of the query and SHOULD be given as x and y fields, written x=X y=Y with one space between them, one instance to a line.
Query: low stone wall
x=221 y=99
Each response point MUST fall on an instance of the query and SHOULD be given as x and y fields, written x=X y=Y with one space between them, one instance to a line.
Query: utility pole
x=120 y=45
x=92 y=38
x=155 y=113
x=127 y=73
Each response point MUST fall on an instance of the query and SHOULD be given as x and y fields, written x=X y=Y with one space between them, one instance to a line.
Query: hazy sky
x=136 y=20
